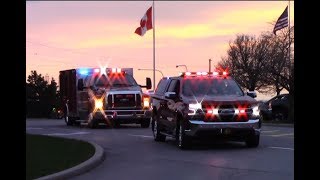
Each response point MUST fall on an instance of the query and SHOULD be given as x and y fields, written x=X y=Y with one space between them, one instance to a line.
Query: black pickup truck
x=208 y=105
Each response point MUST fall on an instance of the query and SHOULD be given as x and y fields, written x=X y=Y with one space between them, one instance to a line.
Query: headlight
x=146 y=102
x=98 y=104
x=193 y=108
x=256 y=111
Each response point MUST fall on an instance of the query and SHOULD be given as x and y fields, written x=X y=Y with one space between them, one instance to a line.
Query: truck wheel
x=77 y=123
x=156 y=131
x=115 y=124
x=68 y=121
x=253 y=141
x=182 y=140
x=145 y=123
x=93 y=124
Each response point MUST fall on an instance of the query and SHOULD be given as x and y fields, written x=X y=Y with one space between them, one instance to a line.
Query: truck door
x=172 y=104
x=68 y=90
x=83 y=103
x=159 y=102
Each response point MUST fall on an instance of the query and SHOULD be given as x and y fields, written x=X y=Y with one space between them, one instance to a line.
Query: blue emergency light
x=84 y=71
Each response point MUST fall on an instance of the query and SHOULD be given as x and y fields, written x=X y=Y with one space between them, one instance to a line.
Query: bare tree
x=262 y=63
x=283 y=59
x=274 y=63
x=246 y=60
x=265 y=64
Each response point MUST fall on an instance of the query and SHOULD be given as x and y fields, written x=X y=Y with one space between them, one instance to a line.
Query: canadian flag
x=145 y=23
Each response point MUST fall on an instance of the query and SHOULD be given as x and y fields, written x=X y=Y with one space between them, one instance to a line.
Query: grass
x=47 y=155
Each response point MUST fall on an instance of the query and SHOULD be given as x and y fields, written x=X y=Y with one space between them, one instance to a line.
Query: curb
x=85 y=166
x=278 y=125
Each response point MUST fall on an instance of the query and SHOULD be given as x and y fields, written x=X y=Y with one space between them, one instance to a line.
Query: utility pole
x=210 y=65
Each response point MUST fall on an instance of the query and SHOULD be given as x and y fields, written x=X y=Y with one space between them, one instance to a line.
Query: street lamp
x=182 y=65
x=151 y=70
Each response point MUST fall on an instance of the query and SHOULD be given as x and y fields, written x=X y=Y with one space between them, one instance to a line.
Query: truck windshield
x=210 y=87
x=114 y=80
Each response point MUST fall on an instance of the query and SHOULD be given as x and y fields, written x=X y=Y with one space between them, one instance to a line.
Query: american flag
x=282 y=21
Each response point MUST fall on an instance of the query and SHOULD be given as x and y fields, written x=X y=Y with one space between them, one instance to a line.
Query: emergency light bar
x=84 y=71
x=214 y=73
x=115 y=71
x=90 y=71
x=96 y=70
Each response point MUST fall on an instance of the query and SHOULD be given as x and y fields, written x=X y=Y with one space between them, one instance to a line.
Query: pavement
x=91 y=163
x=278 y=124
x=99 y=157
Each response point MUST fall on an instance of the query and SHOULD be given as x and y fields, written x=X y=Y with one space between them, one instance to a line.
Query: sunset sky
x=71 y=34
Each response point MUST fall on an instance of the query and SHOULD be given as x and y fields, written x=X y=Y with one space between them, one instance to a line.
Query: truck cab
x=111 y=96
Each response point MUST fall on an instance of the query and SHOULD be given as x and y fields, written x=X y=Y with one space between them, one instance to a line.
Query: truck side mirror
x=170 y=95
x=252 y=94
x=80 y=84
x=148 y=83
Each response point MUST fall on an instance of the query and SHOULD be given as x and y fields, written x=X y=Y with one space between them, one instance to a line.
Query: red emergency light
x=196 y=74
x=115 y=71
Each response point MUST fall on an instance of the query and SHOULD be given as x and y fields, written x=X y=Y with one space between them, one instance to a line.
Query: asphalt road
x=131 y=153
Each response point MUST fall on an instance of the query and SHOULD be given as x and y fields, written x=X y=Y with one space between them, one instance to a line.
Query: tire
x=77 y=123
x=156 y=131
x=182 y=140
x=93 y=124
x=145 y=123
x=67 y=119
x=280 y=115
x=253 y=141
x=263 y=117
x=115 y=124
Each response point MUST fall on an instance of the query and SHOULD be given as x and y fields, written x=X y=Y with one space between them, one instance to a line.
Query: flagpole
x=289 y=27
x=154 y=55
x=289 y=39
x=289 y=17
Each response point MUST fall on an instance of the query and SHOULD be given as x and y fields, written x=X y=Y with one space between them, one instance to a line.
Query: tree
x=36 y=86
x=283 y=59
x=265 y=64
x=40 y=96
x=262 y=63
x=245 y=60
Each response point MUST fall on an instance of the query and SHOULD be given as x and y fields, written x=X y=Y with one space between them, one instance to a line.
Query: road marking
x=279 y=135
x=137 y=135
x=269 y=131
x=33 y=128
x=66 y=134
x=282 y=148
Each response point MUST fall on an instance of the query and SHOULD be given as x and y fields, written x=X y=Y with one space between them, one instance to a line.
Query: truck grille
x=124 y=100
x=226 y=113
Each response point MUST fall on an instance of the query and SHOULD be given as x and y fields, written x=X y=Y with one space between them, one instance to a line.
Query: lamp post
x=151 y=70
x=182 y=65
